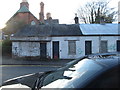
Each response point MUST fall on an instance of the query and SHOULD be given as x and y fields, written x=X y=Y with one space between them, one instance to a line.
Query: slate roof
x=68 y=30
x=49 y=30
x=100 y=29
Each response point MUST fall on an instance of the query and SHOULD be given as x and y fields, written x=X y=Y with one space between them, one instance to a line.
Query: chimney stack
x=24 y=3
x=102 y=20
x=41 y=14
x=76 y=19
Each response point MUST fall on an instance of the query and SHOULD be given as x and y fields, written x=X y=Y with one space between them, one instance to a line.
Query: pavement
x=9 y=61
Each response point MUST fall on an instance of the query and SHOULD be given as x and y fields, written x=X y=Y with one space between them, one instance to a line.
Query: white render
x=31 y=46
x=25 y=49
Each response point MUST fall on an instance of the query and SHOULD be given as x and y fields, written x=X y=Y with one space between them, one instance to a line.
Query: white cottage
x=65 y=41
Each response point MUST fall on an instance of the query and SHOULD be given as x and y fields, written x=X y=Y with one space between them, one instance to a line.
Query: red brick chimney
x=41 y=14
x=24 y=3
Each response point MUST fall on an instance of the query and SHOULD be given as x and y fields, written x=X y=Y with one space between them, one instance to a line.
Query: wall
x=28 y=17
x=23 y=49
x=24 y=17
x=111 y=43
x=80 y=45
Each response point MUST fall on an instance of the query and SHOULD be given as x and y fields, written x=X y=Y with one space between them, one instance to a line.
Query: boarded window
x=103 y=47
x=71 y=47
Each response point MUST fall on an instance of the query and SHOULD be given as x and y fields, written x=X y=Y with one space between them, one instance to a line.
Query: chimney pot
x=48 y=16
x=24 y=3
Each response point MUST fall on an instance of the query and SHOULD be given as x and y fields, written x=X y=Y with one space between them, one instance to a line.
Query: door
x=88 y=47
x=103 y=47
x=43 y=51
x=118 y=45
x=56 y=49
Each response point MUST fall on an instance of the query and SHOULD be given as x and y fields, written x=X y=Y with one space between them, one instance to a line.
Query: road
x=12 y=71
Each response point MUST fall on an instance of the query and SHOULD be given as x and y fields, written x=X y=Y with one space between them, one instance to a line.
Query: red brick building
x=24 y=15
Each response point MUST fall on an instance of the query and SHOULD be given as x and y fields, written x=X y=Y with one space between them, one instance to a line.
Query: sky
x=64 y=10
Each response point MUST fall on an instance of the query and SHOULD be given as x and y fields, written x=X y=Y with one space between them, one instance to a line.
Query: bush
x=6 y=47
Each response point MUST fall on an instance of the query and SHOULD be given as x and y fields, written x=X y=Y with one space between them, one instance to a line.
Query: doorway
x=118 y=45
x=43 y=50
x=55 y=49
x=88 y=47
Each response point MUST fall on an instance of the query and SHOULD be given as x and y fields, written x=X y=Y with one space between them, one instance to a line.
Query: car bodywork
x=75 y=74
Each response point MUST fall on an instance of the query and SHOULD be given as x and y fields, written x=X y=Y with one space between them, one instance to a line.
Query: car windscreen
x=79 y=73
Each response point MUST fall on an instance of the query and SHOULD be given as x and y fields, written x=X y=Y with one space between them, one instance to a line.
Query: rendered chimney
x=48 y=16
x=41 y=14
x=24 y=3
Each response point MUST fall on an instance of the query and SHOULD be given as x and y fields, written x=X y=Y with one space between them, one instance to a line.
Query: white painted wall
x=80 y=45
x=49 y=49
x=22 y=49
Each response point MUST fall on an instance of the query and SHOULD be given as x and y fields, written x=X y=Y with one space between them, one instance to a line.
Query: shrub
x=6 y=47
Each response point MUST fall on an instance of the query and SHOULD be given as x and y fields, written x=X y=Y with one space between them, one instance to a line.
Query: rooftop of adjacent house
x=100 y=29
x=49 y=30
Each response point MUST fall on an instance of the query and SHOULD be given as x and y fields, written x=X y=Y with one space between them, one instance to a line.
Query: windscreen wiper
x=37 y=80
x=28 y=80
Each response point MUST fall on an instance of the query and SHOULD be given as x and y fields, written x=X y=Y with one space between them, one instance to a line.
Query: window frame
x=71 y=47
x=101 y=42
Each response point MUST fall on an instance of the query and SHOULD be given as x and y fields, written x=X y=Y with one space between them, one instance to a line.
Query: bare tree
x=97 y=12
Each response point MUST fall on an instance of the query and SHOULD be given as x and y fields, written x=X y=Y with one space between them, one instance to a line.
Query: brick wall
x=28 y=17
x=25 y=17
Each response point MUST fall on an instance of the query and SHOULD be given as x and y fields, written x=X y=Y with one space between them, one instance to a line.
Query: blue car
x=90 y=71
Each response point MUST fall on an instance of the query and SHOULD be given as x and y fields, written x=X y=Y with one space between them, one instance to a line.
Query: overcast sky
x=64 y=10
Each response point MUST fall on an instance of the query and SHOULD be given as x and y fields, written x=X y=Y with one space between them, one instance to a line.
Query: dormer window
x=33 y=23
